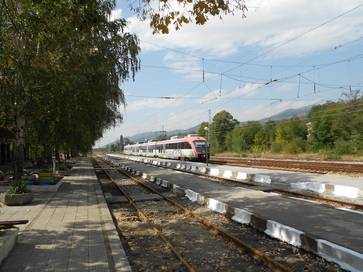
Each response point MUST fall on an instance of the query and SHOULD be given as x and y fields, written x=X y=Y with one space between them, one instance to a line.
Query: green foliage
x=18 y=187
x=288 y=130
x=296 y=146
x=239 y=144
x=342 y=147
x=333 y=129
x=261 y=141
x=242 y=138
x=162 y=137
x=324 y=123
x=202 y=131
x=338 y=126
x=62 y=64
x=330 y=155
x=223 y=122
x=61 y=167
x=163 y=14
x=276 y=147
x=314 y=146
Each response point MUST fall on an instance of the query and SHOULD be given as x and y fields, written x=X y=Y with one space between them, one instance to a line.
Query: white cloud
x=277 y=37
x=268 y=26
x=116 y=14
x=284 y=87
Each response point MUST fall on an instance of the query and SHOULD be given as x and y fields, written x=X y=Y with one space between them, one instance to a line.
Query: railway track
x=192 y=238
x=294 y=165
x=331 y=201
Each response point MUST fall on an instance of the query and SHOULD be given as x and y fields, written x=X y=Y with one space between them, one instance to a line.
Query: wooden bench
x=11 y=224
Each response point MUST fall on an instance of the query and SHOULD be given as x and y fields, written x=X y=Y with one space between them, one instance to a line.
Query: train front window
x=200 y=146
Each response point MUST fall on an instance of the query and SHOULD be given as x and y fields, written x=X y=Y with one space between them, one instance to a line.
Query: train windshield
x=200 y=146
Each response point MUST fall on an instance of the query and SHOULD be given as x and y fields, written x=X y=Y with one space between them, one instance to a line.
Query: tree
x=323 y=119
x=202 y=130
x=288 y=129
x=266 y=136
x=62 y=64
x=337 y=123
x=163 y=14
x=350 y=123
x=291 y=135
x=222 y=123
x=242 y=138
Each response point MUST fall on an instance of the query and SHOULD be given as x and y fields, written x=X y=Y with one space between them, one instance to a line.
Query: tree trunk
x=18 y=163
x=57 y=155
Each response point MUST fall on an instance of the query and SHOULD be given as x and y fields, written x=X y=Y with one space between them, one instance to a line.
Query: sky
x=284 y=55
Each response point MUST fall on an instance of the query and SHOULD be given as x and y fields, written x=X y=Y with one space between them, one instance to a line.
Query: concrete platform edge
x=7 y=242
x=345 y=191
x=118 y=252
x=345 y=258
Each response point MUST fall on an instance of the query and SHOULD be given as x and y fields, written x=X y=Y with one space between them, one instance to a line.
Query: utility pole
x=208 y=138
x=163 y=132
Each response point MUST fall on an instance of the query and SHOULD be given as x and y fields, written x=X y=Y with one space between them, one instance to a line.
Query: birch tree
x=61 y=66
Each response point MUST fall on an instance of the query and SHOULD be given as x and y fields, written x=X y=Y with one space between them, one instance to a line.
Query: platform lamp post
x=207 y=147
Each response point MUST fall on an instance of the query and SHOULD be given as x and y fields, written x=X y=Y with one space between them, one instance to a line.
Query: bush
x=329 y=155
x=276 y=147
x=292 y=148
x=296 y=146
x=343 y=147
x=18 y=187
x=315 y=146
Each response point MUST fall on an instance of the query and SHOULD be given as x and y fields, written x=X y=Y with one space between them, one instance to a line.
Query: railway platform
x=68 y=230
x=334 y=234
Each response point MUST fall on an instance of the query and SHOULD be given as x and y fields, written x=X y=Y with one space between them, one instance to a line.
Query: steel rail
x=352 y=206
x=286 y=192
x=313 y=166
x=147 y=220
x=255 y=253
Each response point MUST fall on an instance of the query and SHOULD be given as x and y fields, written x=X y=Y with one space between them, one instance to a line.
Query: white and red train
x=191 y=147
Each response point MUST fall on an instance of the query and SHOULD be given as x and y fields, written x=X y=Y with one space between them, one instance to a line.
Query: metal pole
x=207 y=147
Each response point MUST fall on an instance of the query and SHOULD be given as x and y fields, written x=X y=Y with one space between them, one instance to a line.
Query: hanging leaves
x=162 y=14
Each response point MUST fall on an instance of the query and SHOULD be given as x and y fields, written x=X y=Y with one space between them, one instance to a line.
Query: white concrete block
x=164 y=183
x=214 y=171
x=241 y=176
x=346 y=258
x=316 y=187
x=299 y=185
x=284 y=233
x=227 y=174
x=191 y=195
x=241 y=216
x=217 y=206
x=262 y=179
x=345 y=191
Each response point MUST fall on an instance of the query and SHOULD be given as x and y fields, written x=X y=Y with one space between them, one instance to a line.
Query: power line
x=225 y=74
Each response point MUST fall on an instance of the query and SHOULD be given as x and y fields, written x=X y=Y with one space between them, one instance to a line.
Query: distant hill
x=140 y=137
x=286 y=114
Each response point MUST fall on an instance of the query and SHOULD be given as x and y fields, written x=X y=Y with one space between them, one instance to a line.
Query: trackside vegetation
x=333 y=129
x=329 y=131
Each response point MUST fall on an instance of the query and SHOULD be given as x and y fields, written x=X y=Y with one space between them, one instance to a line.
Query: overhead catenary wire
x=226 y=74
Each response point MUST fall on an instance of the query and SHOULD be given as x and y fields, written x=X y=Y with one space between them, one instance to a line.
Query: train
x=186 y=148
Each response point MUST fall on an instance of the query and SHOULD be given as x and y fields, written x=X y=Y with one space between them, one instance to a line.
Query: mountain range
x=286 y=114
